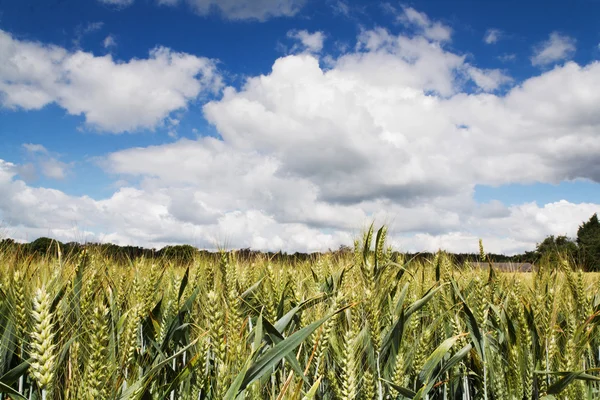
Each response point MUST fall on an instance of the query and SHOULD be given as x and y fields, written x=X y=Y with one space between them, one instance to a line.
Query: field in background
x=368 y=325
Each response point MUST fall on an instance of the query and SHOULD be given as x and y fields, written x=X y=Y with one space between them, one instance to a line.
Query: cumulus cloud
x=113 y=96
x=519 y=231
x=306 y=156
x=143 y=217
x=492 y=36
x=155 y=216
x=558 y=47
x=311 y=42
x=411 y=63
x=331 y=149
x=430 y=29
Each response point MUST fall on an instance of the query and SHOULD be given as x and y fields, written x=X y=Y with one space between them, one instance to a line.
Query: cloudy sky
x=292 y=124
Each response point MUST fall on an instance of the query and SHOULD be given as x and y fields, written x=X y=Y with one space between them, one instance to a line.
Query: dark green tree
x=588 y=241
x=183 y=253
x=552 y=247
x=43 y=246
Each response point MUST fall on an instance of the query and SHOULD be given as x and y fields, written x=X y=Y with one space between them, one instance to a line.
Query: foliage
x=588 y=240
x=367 y=324
x=556 y=247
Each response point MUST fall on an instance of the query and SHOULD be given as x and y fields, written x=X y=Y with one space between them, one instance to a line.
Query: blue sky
x=291 y=124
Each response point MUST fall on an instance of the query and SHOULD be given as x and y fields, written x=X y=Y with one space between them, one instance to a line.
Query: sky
x=293 y=124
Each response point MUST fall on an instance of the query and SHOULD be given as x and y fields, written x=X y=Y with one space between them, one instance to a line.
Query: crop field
x=366 y=325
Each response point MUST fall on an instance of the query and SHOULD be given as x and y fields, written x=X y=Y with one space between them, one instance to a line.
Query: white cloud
x=119 y=3
x=311 y=42
x=558 y=47
x=92 y=27
x=389 y=131
x=524 y=227
x=259 y=10
x=53 y=168
x=492 y=36
x=109 y=42
x=113 y=96
x=35 y=148
x=85 y=29
x=341 y=7
x=414 y=63
x=431 y=30
x=155 y=216
x=48 y=163
x=488 y=79
x=507 y=57
x=27 y=172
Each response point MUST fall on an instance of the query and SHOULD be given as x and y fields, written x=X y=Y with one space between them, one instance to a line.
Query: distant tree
x=7 y=242
x=345 y=249
x=43 y=246
x=552 y=246
x=182 y=253
x=8 y=245
x=588 y=241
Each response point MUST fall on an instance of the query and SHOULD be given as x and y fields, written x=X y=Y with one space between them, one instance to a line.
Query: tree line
x=584 y=250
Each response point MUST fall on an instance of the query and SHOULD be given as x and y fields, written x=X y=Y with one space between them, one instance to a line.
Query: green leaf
x=258 y=331
x=7 y=389
x=401 y=297
x=14 y=374
x=284 y=321
x=367 y=243
x=183 y=375
x=274 y=337
x=393 y=339
x=568 y=377
x=456 y=358
x=7 y=343
x=474 y=330
x=435 y=358
x=378 y=238
x=139 y=387
x=251 y=289
x=417 y=305
x=184 y=282
x=471 y=322
x=313 y=390
x=234 y=389
x=402 y=390
x=271 y=357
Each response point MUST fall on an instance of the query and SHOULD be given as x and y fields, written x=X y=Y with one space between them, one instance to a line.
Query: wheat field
x=367 y=325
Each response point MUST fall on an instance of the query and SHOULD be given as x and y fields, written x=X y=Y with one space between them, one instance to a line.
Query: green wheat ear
x=42 y=345
x=97 y=364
